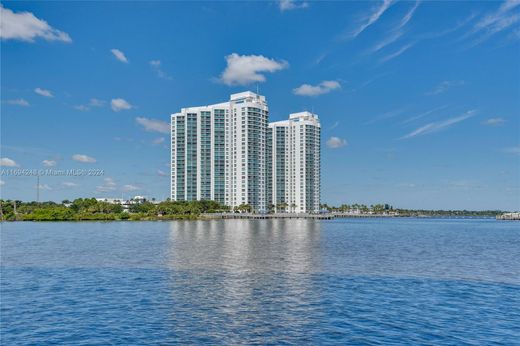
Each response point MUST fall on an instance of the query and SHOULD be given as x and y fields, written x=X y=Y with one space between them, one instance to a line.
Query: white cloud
x=397 y=53
x=159 y=140
x=161 y=173
x=439 y=125
x=108 y=185
x=395 y=33
x=245 y=69
x=96 y=103
x=496 y=17
x=81 y=108
x=120 y=104
x=43 y=92
x=2 y=182
x=18 y=102
x=7 y=162
x=422 y=115
x=336 y=142
x=153 y=125
x=49 y=163
x=119 y=55
x=156 y=66
x=129 y=187
x=513 y=150
x=314 y=90
x=25 y=26
x=394 y=36
x=287 y=5
x=69 y=184
x=409 y=15
x=83 y=158
x=371 y=19
x=445 y=86
x=500 y=20
x=494 y=121
x=44 y=187
x=92 y=103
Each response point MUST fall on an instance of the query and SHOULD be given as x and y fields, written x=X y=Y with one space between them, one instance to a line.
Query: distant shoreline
x=263 y=217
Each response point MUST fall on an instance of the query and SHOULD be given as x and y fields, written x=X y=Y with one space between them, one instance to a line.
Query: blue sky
x=419 y=101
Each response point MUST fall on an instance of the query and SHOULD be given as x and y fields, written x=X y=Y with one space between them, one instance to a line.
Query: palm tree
x=281 y=206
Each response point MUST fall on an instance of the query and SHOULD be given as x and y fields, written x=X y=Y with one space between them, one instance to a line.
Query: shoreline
x=257 y=217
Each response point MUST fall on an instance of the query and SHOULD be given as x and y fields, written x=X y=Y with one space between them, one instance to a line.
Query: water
x=354 y=281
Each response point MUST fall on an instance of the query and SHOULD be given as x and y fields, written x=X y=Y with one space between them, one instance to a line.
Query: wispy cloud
x=512 y=150
x=25 y=26
x=493 y=23
x=18 y=102
x=161 y=173
x=336 y=124
x=287 y=5
x=44 y=187
x=247 y=69
x=96 y=102
x=439 y=126
x=422 y=115
x=445 y=86
x=453 y=28
x=119 y=55
x=92 y=103
x=108 y=185
x=409 y=15
x=397 y=32
x=156 y=66
x=120 y=104
x=336 y=142
x=314 y=90
x=81 y=108
x=494 y=122
x=68 y=184
x=397 y=53
x=43 y=92
x=153 y=125
x=83 y=158
x=394 y=36
x=159 y=140
x=372 y=18
x=386 y=115
x=49 y=163
x=129 y=188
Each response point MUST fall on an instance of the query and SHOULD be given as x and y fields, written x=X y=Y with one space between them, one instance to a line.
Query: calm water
x=373 y=282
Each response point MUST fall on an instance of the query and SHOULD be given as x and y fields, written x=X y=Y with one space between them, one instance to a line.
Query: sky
x=419 y=101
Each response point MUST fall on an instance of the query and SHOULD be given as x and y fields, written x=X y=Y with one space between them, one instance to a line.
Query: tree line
x=92 y=209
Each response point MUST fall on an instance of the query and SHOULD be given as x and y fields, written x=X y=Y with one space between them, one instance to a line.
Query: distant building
x=224 y=152
x=293 y=178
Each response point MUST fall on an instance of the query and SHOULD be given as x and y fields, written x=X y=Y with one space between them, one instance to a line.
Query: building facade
x=294 y=172
x=227 y=152
x=218 y=152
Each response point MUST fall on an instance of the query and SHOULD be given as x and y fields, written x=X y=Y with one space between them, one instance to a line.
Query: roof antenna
x=257 y=91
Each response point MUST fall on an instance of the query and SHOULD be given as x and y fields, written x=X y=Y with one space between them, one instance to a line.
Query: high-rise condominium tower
x=293 y=178
x=227 y=152
x=218 y=152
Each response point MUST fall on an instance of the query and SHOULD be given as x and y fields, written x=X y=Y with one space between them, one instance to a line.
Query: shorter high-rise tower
x=293 y=170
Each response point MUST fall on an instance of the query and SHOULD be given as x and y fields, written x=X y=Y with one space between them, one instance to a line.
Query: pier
x=252 y=216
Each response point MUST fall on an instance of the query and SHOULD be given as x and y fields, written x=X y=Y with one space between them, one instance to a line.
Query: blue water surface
x=351 y=281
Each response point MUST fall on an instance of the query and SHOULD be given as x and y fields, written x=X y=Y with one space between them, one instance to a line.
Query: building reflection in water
x=245 y=274
x=253 y=246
